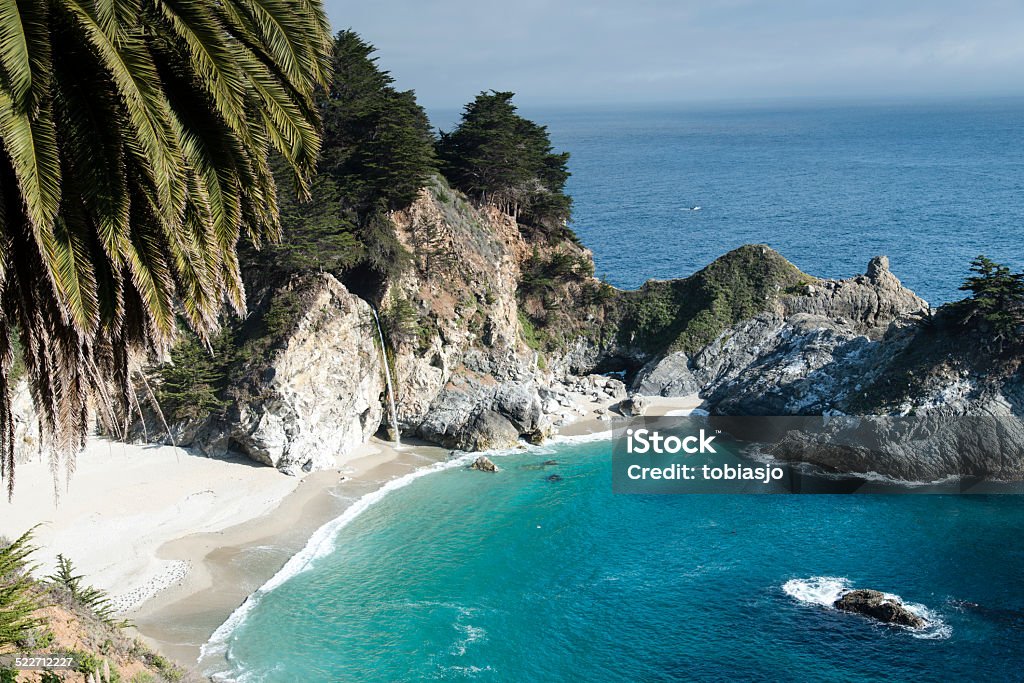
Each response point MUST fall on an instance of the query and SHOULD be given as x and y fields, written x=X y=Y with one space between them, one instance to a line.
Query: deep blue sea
x=929 y=185
x=460 y=575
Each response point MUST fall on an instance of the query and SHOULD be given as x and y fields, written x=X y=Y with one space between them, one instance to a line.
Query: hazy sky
x=639 y=51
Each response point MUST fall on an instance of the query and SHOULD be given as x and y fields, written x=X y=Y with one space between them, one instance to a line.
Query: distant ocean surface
x=929 y=185
x=461 y=575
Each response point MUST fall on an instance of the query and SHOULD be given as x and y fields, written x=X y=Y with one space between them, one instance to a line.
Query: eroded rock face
x=875 y=604
x=668 y=376
x=467 y=380
x=804 y=357
x=321 y=397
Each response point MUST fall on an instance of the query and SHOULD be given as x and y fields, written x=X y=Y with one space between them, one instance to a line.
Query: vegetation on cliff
x=63 y=616
x=378 y=152
x=996 y=303
x=135 y=152
x=687 y=314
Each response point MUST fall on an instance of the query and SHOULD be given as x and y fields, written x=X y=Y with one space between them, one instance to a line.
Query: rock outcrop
x=484 y=464
x=317 y=397
x=936 y=405
x=320 y=395
x=807 y=351
x=877 y=605
x=466 y=379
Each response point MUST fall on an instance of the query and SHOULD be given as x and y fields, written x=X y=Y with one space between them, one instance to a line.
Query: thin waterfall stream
x=387 y=377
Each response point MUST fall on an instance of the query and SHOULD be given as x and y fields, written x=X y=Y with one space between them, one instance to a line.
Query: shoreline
x=199 y=563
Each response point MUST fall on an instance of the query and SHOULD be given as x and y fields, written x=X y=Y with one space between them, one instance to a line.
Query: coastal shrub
x=167 y=669
x=531 y=336
x=685 y=315
x=400 y=323
x=19 y=600
x=88 y=597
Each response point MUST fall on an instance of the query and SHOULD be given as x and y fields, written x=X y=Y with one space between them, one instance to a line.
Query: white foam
x=823 y=591
x=817 y=590
x=606 y=435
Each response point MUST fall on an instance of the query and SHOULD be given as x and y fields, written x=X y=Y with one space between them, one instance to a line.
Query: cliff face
x=321 y=394
x=938 y=405
x=490 y=329
x=464 y=375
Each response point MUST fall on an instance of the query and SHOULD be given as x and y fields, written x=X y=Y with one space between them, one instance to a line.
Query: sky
x=569 y=52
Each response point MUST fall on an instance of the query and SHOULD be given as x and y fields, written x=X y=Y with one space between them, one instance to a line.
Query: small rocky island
x=877 y=605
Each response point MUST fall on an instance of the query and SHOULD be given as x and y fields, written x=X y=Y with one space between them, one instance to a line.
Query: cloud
x=574 y=51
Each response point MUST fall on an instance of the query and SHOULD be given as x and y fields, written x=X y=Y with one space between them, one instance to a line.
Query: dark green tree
x=498 y=157
x=377 y=153
x=191 y=383
x=997 y=299
x=18 y=602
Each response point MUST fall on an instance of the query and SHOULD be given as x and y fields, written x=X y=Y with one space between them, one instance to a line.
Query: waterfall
x=387 y=376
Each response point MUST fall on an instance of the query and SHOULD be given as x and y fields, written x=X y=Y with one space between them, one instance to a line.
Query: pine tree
x=997 y=299
x=93 y=599
x=377 y=153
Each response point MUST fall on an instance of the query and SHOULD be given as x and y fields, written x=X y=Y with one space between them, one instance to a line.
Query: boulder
x=668 y=376
x=634 y=406
x=483 y=464
x=878 y=605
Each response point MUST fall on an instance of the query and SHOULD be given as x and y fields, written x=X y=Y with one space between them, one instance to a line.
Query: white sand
x=125 y=501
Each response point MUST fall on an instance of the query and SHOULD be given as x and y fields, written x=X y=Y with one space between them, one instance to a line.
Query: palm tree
x=134 y=144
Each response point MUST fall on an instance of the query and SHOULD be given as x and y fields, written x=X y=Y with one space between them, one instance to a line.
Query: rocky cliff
x=491 y=332
x=929 y=399
x=465 y=374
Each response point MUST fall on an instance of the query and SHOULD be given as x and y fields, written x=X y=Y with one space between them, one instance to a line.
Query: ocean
x=451 y=574
x=930 y=185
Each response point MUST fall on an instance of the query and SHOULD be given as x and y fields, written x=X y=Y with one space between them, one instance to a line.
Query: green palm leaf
x=134 y=143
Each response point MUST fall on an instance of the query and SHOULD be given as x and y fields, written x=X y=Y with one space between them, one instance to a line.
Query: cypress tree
x=498 y=157
x=997 y=299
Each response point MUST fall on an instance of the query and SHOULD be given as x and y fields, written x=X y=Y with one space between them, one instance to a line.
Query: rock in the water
x=555 y=477
x=876 y=605
x=483 y=464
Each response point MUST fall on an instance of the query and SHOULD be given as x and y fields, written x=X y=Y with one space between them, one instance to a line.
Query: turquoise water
x=462 y=575
x=510 y=577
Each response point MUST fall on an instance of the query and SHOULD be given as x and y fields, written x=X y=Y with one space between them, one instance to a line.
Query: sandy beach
x=180 y=540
